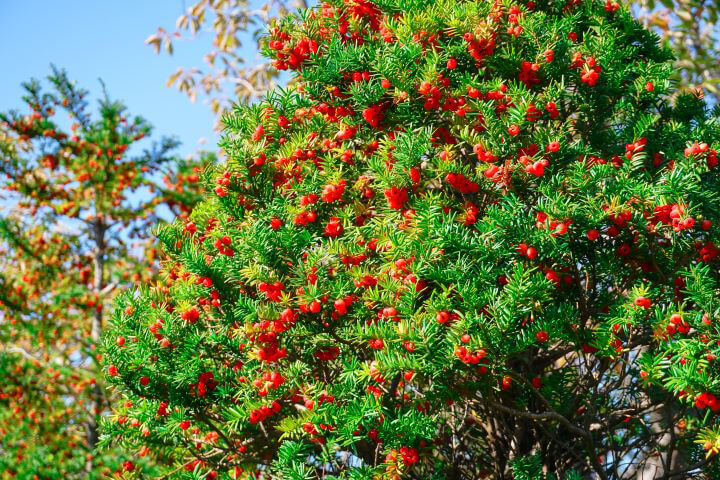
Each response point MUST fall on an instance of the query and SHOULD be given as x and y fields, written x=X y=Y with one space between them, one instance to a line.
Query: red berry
x=506 y=383
x=643 y=302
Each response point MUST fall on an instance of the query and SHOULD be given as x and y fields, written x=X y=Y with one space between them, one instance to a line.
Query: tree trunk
x=99 y=228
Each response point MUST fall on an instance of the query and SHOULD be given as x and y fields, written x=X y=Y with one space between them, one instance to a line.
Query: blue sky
x=94 y=39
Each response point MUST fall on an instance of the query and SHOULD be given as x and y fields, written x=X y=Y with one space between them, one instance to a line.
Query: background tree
x=77 y=205
x=692 y=29
x=475 y=239
x=228 y=75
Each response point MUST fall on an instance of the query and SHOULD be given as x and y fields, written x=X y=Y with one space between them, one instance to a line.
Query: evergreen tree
x=475 y=240
x=76 y=205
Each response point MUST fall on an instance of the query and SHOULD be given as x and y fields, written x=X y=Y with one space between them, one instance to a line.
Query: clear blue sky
x=94 y=39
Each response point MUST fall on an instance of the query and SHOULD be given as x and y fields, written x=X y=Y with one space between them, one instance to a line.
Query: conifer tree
x=76 y=205
x=477 y=239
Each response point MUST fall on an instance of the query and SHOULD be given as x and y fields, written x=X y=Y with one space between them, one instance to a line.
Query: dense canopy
x=473 y=239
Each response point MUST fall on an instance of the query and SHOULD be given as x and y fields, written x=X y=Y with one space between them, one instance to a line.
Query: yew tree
x=476 y=239
x=78 y=196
